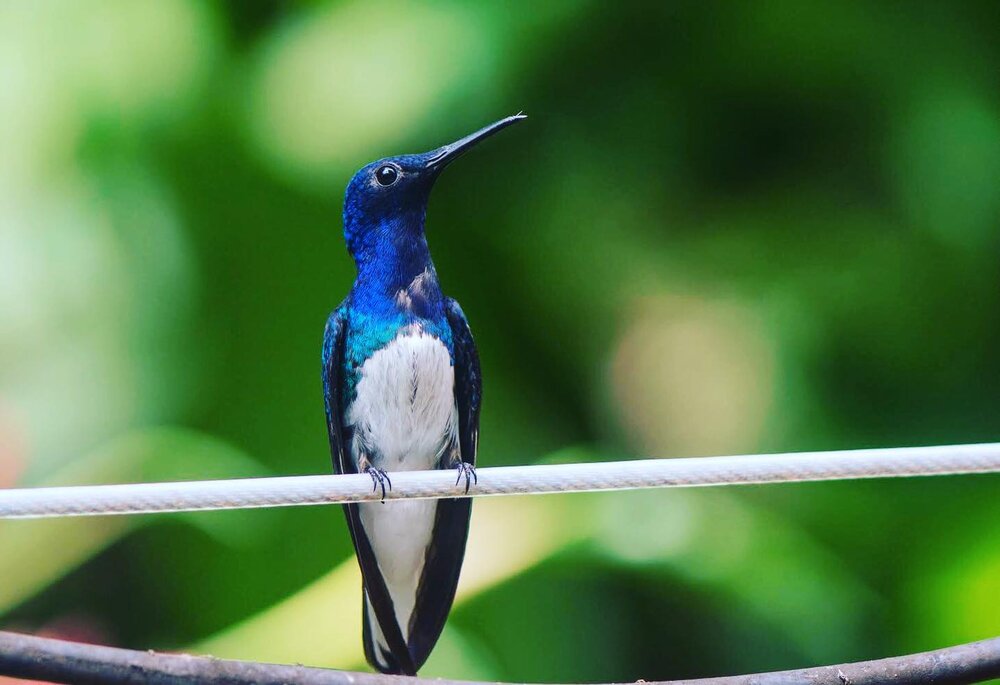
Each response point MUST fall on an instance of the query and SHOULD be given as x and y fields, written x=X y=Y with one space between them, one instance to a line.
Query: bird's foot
x=468 y=471
x=379 y=479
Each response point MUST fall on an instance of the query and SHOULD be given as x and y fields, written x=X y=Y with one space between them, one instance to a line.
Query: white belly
x=405 y=418
x=404 y=413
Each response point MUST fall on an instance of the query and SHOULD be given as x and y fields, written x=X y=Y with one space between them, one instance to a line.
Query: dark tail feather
x=378 y=657
x=436 y=591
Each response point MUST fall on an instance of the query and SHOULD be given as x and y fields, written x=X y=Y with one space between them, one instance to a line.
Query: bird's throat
x=395 y=272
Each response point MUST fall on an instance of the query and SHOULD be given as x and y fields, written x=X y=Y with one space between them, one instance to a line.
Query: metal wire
x=504 y=480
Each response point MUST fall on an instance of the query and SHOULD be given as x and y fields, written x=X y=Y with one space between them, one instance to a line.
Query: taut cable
x=251 y=493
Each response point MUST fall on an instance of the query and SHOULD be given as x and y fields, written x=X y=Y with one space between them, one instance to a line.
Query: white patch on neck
x=418 y=288
x=405 y=418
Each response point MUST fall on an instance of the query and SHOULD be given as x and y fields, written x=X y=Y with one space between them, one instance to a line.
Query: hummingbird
x=402 y=389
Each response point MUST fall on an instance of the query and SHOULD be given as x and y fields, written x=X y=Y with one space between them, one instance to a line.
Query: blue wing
x=468 y=381
x=333 y=354
x=398 y=659
x=443 y=562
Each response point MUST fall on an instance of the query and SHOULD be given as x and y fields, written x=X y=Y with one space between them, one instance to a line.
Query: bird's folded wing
x=439 y=580
x=374 y=585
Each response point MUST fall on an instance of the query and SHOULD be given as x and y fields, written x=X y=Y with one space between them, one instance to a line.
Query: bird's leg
x=466 y=470
x=379 y=476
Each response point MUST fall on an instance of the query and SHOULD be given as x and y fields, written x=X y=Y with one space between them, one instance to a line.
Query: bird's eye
x=386 y=175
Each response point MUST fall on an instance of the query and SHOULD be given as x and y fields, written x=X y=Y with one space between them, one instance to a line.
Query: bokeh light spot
x=693 y=376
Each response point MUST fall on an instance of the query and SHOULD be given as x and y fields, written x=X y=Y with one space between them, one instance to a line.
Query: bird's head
x=387 y=200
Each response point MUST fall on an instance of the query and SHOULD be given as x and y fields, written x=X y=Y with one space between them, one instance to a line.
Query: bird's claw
x=469 y=472
x=379 y=479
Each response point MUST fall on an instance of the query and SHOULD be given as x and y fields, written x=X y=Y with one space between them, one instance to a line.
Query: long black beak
x=440 y=158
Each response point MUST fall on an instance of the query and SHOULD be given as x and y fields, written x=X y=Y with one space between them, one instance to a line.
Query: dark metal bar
x=59 y=661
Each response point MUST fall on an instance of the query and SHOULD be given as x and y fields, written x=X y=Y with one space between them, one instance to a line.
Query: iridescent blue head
x=386 y=202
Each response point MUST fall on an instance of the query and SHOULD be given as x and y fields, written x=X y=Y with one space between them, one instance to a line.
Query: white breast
x=405 y=418
x=404 y=413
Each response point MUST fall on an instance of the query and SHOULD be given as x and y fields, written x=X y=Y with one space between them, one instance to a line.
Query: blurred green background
x=726 y=227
